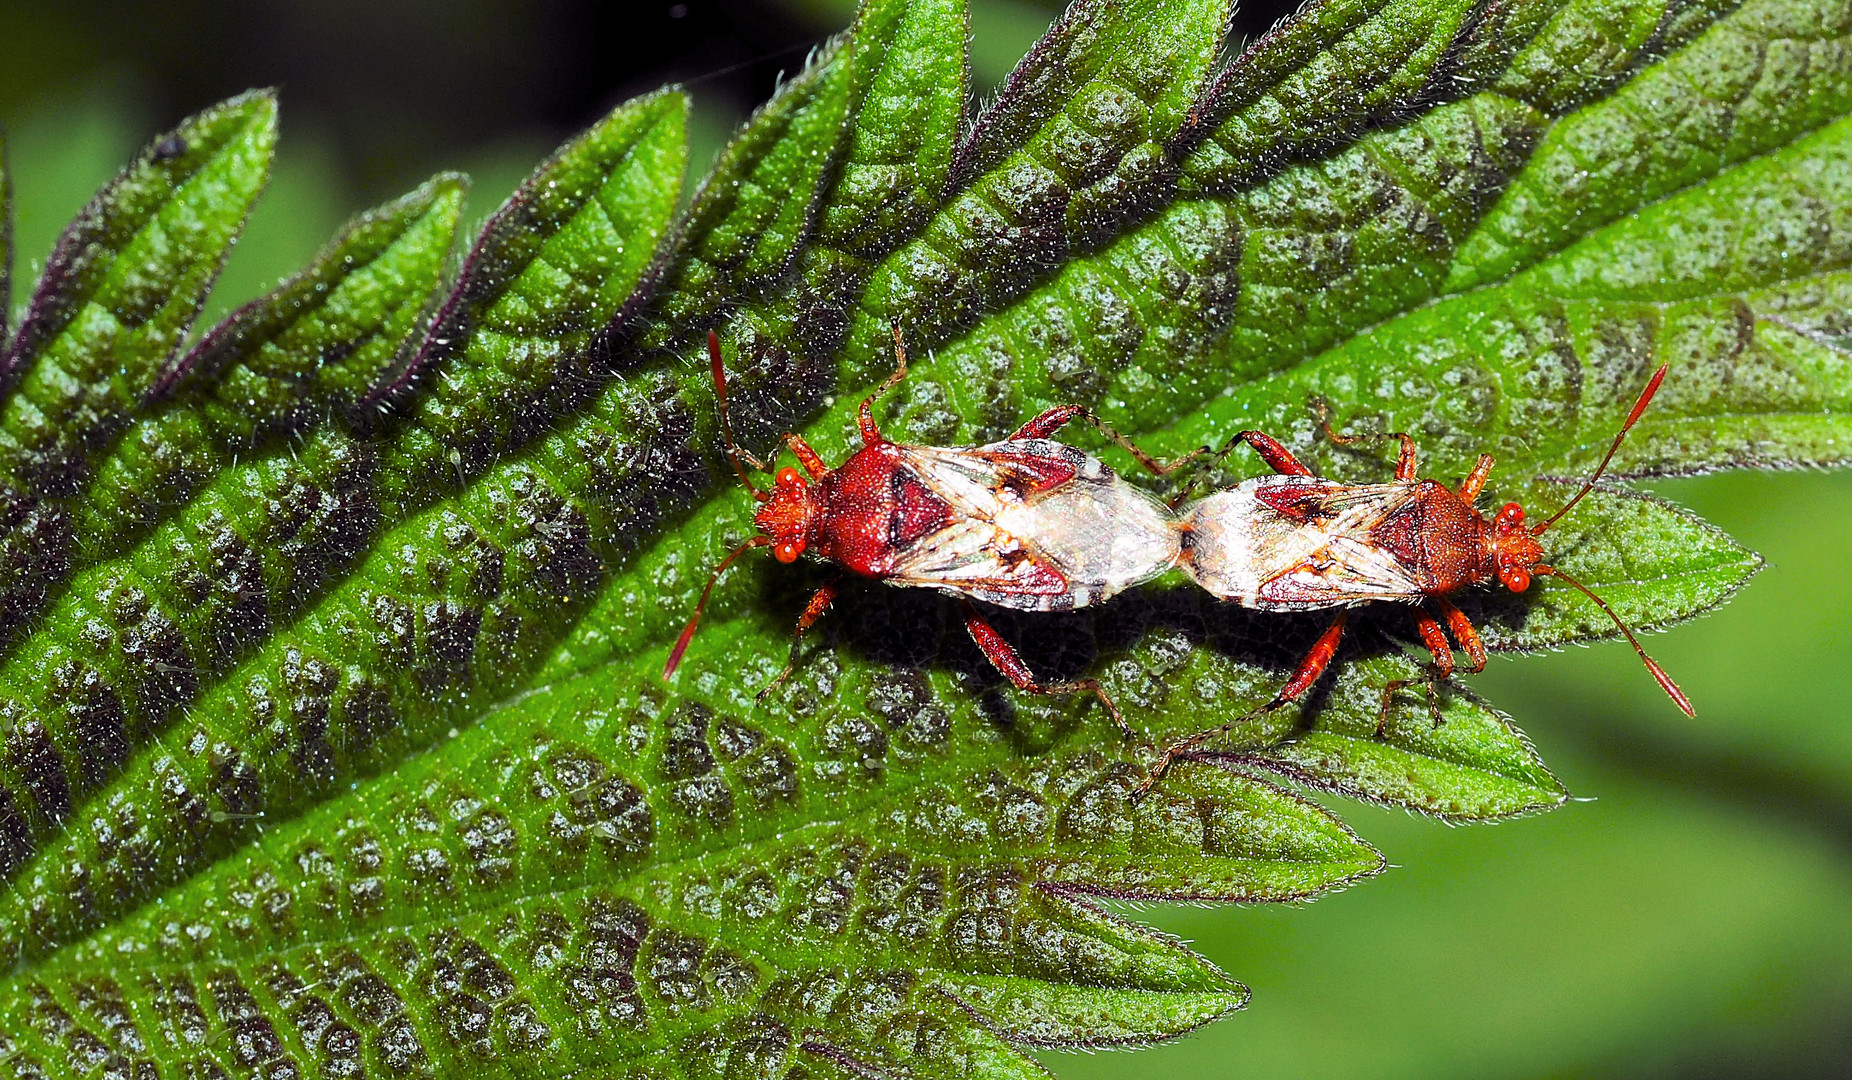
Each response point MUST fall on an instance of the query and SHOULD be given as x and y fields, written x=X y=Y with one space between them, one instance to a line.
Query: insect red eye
x=787 y=551
x=1510 y=516
x=1516 y=578
x=787 y=477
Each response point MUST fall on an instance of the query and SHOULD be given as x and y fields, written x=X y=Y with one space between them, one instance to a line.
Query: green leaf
x=1329 y=72
x=717 y=868
x=901 y=144
x=121 y=290
x=338 y=744
x=261 y=547
x=6 y=240
x=269 y=371
x=116 y=300
x=324 y=336
x=1472 y=766
x=759 y=204
x=1750 y=84
x=559 y=270
x=253 y=543
x=1073 y=148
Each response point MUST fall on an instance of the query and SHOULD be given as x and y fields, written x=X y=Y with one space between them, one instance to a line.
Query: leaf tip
x=257 y=108
x=442 y=193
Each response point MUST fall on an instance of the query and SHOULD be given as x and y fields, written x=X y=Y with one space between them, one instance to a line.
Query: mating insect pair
x=1032 y=524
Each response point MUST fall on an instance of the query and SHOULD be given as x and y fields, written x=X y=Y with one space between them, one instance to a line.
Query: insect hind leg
x=1316 y=660
x=1269 y=449
x=1053 y=420
x=1002 y=655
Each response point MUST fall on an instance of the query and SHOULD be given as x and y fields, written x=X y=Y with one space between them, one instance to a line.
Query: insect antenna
x=1659 y=673
x=734 y=453
x=1646 y=395
x=681 y=643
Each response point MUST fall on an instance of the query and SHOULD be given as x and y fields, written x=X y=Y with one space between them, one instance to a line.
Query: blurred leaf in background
x=1689 y=921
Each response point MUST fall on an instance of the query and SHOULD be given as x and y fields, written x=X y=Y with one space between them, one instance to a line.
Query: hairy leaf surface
x=116 y=299
x=6 y=239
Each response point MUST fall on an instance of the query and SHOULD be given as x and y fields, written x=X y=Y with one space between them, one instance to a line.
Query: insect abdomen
x=1101 y=532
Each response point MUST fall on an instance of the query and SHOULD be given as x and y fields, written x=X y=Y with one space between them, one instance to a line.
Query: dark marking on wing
x=1400 y=533
x=1025 y=475
x=917 y=513
x=1318 y=502
x=1299 y=504
x=1029 y=577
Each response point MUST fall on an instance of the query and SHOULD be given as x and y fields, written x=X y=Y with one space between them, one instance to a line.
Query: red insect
x=1298 y=542
x=1026 y=523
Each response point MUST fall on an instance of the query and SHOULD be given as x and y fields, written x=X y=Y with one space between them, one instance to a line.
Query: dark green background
x=1691 y=919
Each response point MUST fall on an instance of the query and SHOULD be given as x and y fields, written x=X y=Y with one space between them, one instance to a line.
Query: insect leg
x=1475 y=480
x=1270 y=450
x=806 y=456
x=1405 y=462
x=1002 y=656
x=865 y=417
x=1317 y=659
x=1277 y=457
x=812 y=612
x=1046 y=424
x=1464 y=632
x=1436 y=640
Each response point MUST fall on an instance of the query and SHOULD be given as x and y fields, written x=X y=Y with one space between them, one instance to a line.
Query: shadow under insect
x=1176 y=658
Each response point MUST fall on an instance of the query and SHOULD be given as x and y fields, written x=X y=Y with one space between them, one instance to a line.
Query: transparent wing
x=972 y=555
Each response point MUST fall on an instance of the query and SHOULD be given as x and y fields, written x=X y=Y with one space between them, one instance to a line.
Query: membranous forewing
x=1296 y=543
x=1035 y=525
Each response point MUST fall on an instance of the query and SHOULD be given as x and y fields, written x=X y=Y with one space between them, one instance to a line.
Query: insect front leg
x=812 y=612
x=1465 y=633
x=1002 y=656
x=1317 y=659
x=806 y=456
x=1475 y=480
x=1436 y=641
x=865 y=416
